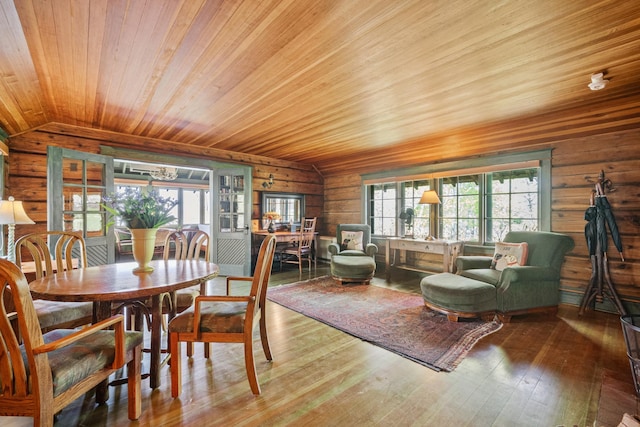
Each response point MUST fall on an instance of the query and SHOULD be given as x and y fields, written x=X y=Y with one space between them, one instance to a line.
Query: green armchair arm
x=371 y=249
x=469 y=262
x=334 y=248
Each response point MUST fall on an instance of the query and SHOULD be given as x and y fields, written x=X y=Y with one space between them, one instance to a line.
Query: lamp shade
x=429 y=197
x=12 y=212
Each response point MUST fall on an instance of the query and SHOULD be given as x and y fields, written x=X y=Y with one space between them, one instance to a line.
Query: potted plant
x=142 y=213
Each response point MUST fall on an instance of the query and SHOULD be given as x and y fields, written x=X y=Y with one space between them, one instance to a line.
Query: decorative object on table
x=12 y=213
x=396 y=321
x=407 y=215
x=43 y=373
x=142 y=213
x=598 y=216
x=270 y=217
x=430 y=197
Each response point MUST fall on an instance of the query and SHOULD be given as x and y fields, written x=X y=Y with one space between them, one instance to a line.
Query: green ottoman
x=458 y=296
x=347 y=268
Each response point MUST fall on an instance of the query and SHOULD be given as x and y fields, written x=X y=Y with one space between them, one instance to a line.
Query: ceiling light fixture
x=164 y=173
x=597 y=81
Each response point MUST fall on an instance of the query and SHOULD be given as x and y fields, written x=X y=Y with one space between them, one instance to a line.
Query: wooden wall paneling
x=28 y=163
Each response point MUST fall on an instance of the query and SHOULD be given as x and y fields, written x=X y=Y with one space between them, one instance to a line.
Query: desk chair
x=302 y=249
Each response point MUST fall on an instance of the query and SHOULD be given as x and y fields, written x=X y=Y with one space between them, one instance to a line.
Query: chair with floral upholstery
x=227 y=319
x=40 y=374
x=67 y=248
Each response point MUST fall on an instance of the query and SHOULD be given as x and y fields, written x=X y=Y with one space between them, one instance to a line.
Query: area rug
x=394 y=320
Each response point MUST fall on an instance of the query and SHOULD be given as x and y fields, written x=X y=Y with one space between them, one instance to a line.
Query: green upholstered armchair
x=353 y=239
x=527 y=288
x=353 y=257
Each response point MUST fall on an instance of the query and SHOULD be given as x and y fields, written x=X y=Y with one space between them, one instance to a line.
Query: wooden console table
x=448 y=249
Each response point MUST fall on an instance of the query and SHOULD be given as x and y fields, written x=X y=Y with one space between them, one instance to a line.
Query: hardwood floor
x=535 y=371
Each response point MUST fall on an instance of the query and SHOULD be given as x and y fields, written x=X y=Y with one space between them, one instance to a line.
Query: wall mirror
x=282 y=208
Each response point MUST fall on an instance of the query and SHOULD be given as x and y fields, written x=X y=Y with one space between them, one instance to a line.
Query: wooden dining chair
x=226 y=319
x=302 y=250
x=69 y=248
x=40 y=374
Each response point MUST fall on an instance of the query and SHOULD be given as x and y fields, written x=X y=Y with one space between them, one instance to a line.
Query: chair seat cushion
x=458 y=293
x=353 y=267
x=220 y=317
x=72 y=363
x=70 y=314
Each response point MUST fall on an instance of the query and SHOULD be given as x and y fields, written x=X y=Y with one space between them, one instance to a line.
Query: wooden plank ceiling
x=338 y=84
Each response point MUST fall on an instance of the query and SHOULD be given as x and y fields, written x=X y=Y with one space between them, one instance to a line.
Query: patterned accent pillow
x=509 y=254
x=352 y=240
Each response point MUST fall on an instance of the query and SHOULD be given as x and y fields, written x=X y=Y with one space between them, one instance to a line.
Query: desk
x=281 y=237
x=448 y=249
x=109 y=283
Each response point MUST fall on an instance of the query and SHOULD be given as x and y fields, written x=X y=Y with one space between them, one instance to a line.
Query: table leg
x=156 y=325
x=101 y=311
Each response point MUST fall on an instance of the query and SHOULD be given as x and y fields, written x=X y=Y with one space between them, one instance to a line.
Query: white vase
x=143 y=242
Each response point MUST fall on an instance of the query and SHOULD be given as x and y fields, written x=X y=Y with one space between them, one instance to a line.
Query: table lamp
x=12 y=213
x=430 y=197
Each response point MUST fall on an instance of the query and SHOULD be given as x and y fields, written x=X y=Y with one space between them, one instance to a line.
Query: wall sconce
x=12 y=213
x=268 y=184
x=430 y=197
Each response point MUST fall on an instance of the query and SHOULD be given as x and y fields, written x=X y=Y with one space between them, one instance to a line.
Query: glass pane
x=468 y=207
x=499 y=206
x=498 y=183
x=95 y=223
x=469 y=230
x=76 y=223
x=225 y=204
x=524 y=205
x=449 y=207
x=95 y=173
x=238 y=183
x=94 y=199
x=497 y=229
x=191 y=207
x=449 y=229
x=72 y=171
x=225 y=223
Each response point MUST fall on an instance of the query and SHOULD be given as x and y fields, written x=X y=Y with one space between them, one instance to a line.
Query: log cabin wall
x=575 y=166
x=336 y=199
x=27 y=164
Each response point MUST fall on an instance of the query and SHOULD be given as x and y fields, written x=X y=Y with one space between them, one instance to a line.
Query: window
x=384 y=209
x=479 y=204
x=460 y=219
x=512 y=202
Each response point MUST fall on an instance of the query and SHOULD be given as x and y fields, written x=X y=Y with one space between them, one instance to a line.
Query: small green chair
x=353 y=257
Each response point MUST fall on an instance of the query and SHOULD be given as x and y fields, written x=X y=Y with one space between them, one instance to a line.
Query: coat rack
x=599 y=216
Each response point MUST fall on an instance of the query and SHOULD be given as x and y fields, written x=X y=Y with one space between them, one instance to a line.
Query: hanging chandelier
x=164 y=173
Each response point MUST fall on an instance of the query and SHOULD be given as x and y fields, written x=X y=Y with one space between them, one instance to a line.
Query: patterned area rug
x=394 y=320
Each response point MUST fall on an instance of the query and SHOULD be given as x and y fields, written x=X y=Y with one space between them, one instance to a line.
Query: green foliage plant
x=140 y=210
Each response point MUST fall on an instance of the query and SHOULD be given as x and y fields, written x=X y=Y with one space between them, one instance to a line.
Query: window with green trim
x=476 y=208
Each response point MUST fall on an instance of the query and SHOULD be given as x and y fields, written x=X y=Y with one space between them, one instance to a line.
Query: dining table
x=109 y=284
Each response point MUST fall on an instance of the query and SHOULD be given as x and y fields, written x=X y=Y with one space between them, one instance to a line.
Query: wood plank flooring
x=535 y=371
